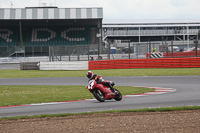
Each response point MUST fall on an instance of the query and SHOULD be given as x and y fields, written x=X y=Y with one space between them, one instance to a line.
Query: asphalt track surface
x=187 y=93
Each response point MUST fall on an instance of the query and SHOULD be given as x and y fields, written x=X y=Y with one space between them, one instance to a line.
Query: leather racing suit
x=107 y=83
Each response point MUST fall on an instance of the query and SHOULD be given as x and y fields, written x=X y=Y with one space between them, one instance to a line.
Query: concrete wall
x=73 y=65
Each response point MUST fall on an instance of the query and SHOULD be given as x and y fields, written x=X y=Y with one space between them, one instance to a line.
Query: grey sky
x=123 y=9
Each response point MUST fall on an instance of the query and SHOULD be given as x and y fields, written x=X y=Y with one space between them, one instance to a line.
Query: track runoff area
x=158 y=91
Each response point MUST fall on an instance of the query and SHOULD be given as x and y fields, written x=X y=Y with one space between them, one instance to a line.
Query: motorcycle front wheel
x=118 y=96
x=98 y=94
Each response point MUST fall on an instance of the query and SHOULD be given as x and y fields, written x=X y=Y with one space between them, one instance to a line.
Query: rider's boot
x=113 y=90
x=110 y=85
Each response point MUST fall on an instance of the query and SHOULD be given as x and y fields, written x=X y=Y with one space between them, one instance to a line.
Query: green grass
x=27 y=94
x=113 y=72
x=18 y=95
x=111 y=111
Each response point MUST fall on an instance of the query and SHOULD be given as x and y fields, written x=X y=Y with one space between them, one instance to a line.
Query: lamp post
x=162 y=44
x=129 y=50
x=78 y=50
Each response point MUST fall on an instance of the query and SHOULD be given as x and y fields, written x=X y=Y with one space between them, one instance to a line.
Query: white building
x=138 y=31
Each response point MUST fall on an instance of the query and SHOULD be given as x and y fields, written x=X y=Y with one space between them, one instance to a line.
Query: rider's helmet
x=89 y=74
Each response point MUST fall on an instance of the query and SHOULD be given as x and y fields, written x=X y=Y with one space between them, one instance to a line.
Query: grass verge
x=27 y=94
x=112 y=111
x=111 y=72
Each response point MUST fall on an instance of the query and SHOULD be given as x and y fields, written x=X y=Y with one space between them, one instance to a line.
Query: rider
x=99 y=79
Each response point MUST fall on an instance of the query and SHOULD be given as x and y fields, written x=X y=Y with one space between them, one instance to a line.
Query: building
x=49 y=31
x=120 y=32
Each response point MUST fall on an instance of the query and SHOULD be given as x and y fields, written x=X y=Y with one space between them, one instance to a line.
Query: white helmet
x=89 y=74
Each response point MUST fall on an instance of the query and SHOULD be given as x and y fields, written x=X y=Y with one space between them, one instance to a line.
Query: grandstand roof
x=50 y=13
x=149 y=21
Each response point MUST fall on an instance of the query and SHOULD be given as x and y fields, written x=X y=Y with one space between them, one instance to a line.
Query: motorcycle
x=102 y=92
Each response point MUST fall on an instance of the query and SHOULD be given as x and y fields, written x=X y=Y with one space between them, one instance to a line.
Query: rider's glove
x=98 y=80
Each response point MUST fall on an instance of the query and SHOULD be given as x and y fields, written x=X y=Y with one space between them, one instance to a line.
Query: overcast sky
x=123 y=9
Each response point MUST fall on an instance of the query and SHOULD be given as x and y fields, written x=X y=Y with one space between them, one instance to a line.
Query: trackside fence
x=193 y=62
x=145 y=63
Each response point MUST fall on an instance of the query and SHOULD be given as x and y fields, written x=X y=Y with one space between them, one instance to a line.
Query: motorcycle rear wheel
x=98 y=94
x=118 y=96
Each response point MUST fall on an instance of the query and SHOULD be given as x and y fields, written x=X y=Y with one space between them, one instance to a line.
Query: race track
x=186 y=94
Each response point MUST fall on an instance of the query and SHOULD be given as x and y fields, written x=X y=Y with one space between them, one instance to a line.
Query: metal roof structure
x=41 y=13
x=145 y=25
x=150 y=21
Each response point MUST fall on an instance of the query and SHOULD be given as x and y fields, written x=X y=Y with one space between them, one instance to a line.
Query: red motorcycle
x=102 y=92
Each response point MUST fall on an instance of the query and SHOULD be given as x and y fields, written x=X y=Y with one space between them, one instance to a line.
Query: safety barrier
x=156 y=55
x=175 y=54
x=73 y=65
x=145 y=63
x=121 y=64
x=181 y=54
x=29 y=66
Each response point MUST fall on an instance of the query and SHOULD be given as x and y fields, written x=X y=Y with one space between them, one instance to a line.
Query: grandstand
x=135 y=35
x=151 y=30
x=39 y=31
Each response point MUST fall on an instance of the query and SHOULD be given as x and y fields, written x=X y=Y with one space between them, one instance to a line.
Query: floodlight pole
x=188 y=37
x=100 y=36
x=172 y=50
x=196 y=44
x=149 y=49
x=129 y=50
x=20 y=31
